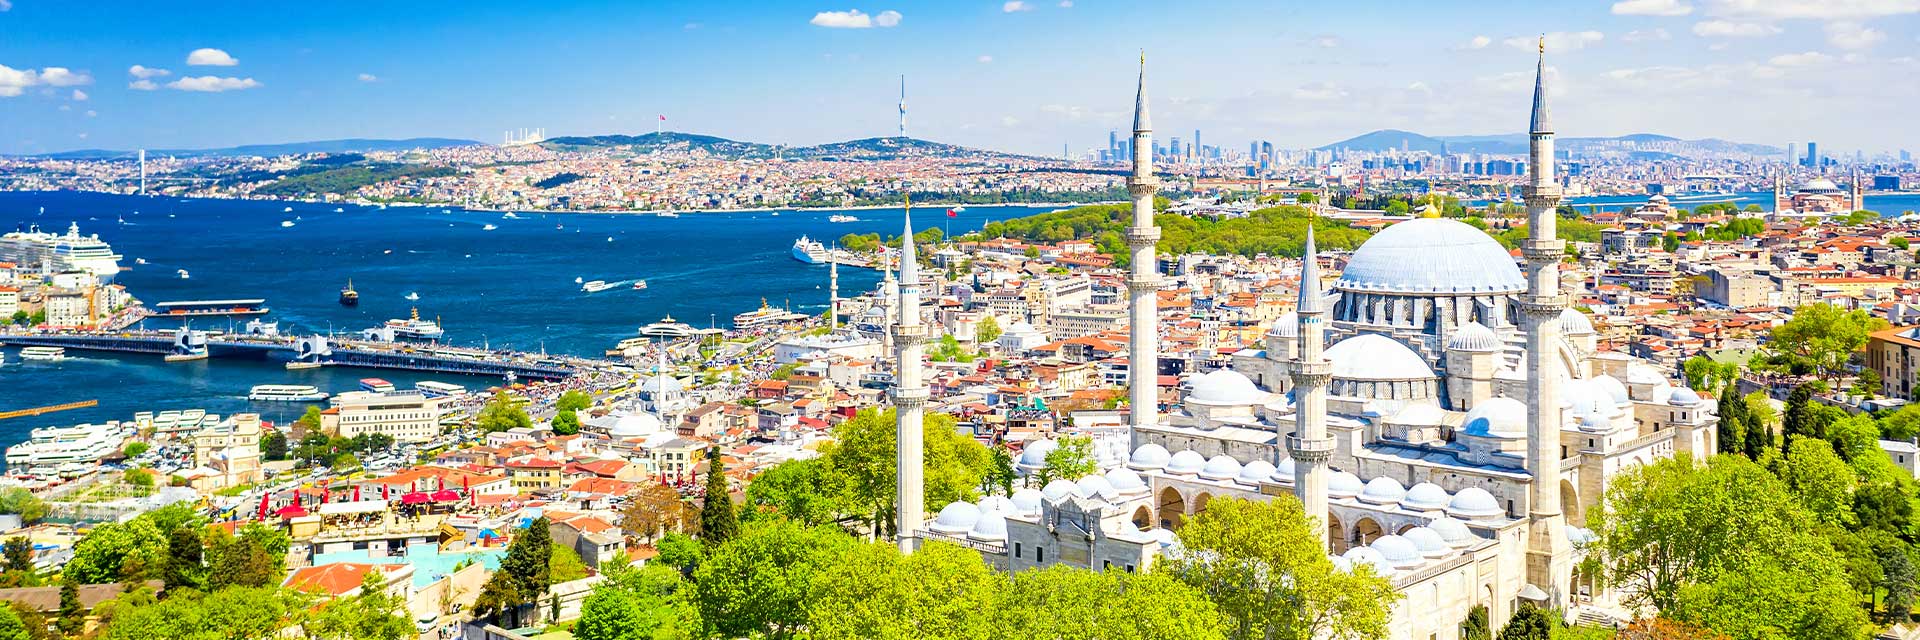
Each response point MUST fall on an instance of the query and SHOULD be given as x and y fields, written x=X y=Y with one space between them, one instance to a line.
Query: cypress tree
x=1733 y=421
x=72 y=617
x=718 y=522
x=1799 y=417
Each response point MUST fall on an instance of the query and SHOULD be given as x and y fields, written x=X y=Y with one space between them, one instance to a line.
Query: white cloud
x=1646 y=35
x=1730 y=29
x=142 y=85
x=690 y=26
x=92 y=113
x=368 y=77
x=66 y=107
x=1319 y=91
x=15 y=81
x=210 y=58
x=854 y=19
x=63 y=77
x=79 y=96
x=1651 y=8
x=1420 y=87
x=212 y=84
x=1806 y=59
x=1812 y=9
x=1009 y=121
x=1015 y=5
x=985 y=59
x=1559 y=40
x=5 y=5
x=1479 y=42
x=82 y=135
x=1066 y=4
x=1853 y=35
x=143 y=73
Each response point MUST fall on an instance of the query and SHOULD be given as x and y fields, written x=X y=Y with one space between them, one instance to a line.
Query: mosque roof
x=1497 y=418
x=1225 y=387
x=1473 y=336
x=1433 y=256
x=1371 y=356
x=1819 y=184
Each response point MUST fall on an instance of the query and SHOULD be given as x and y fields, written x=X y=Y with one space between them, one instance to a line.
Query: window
x=1129 y=568
x=1016 y=549
x=1039 y=554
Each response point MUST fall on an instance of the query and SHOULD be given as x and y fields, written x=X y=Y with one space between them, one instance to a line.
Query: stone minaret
x=1549 y=554
x=833 y=290
x=909 y=395
x=1143 y=343
x=1309 y=445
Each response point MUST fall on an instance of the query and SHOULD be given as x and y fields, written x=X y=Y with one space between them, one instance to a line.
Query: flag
x=663 y=117
x=953 y=213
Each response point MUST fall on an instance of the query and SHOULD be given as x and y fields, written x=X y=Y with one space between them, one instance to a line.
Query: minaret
x=889 y=296
x=903 y=106
x=1142 y=283
x=1549 y=554
x=833 y=290
x=909 y=396
x=1309 y=445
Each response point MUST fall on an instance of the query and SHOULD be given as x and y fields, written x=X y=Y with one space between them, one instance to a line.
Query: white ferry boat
x=668 y=214
x=411 y=328
x=435 y=389
x=639 y=284
x=43 y=354
x=286 y=393
x=488 y=227
x=764 y=316
x=841 y=217
x=83 y=443
x=70 y=251
x=809 y=251
x=376 y=385
x=667 y=328
x=594 y=286
x=286 y=223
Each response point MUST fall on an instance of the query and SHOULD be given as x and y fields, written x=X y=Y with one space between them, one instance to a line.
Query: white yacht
x=63 y=252
x=596 y=286
x=809 y=251
x=43 y=354
x=841 y=217
x=668 y=214
x=286 y=223
x=286 y=393
x=667 y=328
x=488 y=227
x=84 y=443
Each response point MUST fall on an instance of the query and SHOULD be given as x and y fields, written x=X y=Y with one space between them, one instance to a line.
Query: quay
x=23 y=413
x=324 y=350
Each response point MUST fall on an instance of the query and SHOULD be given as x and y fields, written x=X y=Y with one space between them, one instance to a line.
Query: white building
x=406 y=416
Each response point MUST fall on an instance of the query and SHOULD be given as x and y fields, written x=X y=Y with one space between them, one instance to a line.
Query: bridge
x=317 y=349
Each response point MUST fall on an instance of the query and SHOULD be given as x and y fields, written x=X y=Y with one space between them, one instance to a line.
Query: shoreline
x=414 y=205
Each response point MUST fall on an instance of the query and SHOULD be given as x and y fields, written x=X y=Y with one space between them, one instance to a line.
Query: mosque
x=1453 y=436
x=1818 y=196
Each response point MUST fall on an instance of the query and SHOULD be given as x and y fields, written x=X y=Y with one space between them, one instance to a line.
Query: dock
x=353 y=353
x=27 y=413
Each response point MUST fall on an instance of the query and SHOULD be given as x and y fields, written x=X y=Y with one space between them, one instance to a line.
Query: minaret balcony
x=1142 y=236
x=1315 y=451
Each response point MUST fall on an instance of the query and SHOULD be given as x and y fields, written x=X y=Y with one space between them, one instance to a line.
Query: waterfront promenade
x=327 y=351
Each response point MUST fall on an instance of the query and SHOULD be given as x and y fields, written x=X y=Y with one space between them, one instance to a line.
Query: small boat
x=669 y=214
x=287 y=210
x=413 y=295
x=559 y=227
x=43 y=354
x=186 y=357
x=578 y=280
x=339 y=210
x=841 y=217
x=348 y=296
x=286 y=223
x=775 y=214
x=183 y=274
x=609 y=238
x=489 y=227
x=595 y=286
x=387 y=251
x=139 y=260
x=446 y=211
x=509 y=216
x=639 y=284
x=302 y=366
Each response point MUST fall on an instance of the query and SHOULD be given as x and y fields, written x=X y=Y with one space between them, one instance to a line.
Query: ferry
x=376 y=385
x=412 y=295
x=287 y=210
x=210 y=308
x=668 y=214
x=433 y=389
x=667 y=328
x=286 y=223
x=82 y=443
x=339 y=210
x=764 y=316
x=348 y=296
x=183 y=274
x=43 y=354
x=411 y=328
x=509 y=216
x=639 y=284
x=488 y=227
x=841 y=217
x=809 y=251
x=299 y=365
x=70 y=251
x=285 y=393
x=595 y=286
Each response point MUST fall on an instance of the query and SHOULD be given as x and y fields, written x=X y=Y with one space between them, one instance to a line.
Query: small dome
x=1588 y=397
x=1341 y=484
x=634 y=425
x=995 y=503
x=1369 y=556
x=1370 y=356
x=1595 y=423
x=1453 y=531
x=1383 y=490
x=1026 y=502
x=1225 y=387
x=1286 y=326
x=1034 y=455
x=1473 y=336
x=1614 y=389
x=1126 y=482
x=1149 y=457
x=1474 y=503
x=1096 y=487
x=1574 y=323
x=1340 y=563
x=1399 y=551
x=991 y=527
x=1254 y=473
x=1166 y=537
x=1429 y=542
x=1503 y=418
x=1283 y=472
x=1059 y=489
x=1220 y=467
x=1185 y=463
x=956 y=518
x=1683 y=397
x=1426 y=496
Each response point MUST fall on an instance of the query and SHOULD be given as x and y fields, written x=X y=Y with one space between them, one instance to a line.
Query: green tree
x=1902 y=424
x=1819 y=479
x=1758 y=424
x=861 y=463
x=309 y=422
x=371 y=614
x=1075 y=604
x=23 y=503
x=1251 y=557
x=564 y=564
x=185 y=553
x=680 y=551
x=72 y=616
x=1825 y=336
x=875 y=592
x=274 y=445
x=19 y=554
x=1476 y=626
x=718 y=520
x=762 y=581
x=573 y=401
x=987 y=331
x=1528 y=623
x=1708 y=376
x=502 y=412
x=644 y=603
x=530 y=558
x=566 y=423
x=1799 y=418
x=254 y=558
x=795 y=490
x=112 y=552
x=1732 y=434
x=239 y=612
x=1000 y=475
x=1071 y=459
x=134 y=449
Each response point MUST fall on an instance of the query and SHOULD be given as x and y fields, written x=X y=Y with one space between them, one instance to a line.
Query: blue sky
x=1014 y=76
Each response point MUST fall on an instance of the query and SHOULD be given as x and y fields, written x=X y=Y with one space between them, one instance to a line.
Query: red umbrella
x=356 y=493
x=293 y=511
x=264 y=497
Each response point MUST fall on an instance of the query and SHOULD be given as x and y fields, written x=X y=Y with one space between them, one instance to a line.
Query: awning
x=293 y=511
x=415 y=498
x=346 y=508
x=445 y=495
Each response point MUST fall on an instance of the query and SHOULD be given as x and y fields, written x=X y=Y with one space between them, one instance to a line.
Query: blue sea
x=510 y=287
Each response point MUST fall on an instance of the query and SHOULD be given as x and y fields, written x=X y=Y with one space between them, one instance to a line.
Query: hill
x=346 y=145
x=863 y=149
x=1516 y=144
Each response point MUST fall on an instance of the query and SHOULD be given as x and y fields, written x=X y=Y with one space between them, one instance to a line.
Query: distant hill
x=1516 y=143
x=863 y=149
x=348 y=145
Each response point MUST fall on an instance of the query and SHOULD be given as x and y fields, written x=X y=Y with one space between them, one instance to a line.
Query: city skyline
x=1022 y=77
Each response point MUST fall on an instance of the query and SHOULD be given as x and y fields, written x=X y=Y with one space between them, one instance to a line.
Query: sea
x=509 y=287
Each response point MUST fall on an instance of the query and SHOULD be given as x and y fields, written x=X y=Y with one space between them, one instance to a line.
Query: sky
x=1027 y=76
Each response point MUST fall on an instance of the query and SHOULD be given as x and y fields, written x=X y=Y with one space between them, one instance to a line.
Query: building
x=1818 y=196
x=1895 y=354
x=226 y=454
x=406 y=416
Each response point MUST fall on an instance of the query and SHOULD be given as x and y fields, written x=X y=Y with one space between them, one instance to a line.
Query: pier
x=25 y=413
x=323 y=350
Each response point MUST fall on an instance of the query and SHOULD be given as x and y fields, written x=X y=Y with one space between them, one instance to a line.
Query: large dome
x=1432 y=255
x=1225 y=387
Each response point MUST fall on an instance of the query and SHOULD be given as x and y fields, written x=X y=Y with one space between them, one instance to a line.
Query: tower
x=909 y=396
x=1144 y=279
x=143 y=172
x=833 y=291
x=903 y=106
x=1857 y=191
x=1549 y=554
x=1309 y=445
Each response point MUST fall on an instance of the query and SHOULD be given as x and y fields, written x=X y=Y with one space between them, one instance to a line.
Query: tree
x=1825 y=336
x=719 y=521
x=987 y=331
x=239 y=612
x=875 y=592
x=19 y=554
x=72 y=617
x=1250 y=557
x=1476 y=626
x=1708 y=376
x=309 y=423
x=861 y=464
x=274 y=446
x=185 y=550
x=1799 y=419
x=1074 y=604
x=501 y=594
x=1732 y=434
x=680 y=551
x=762 y=581
x=371 y=614
x=1665 y=629
x=566 y=423
x=1071 y=460
x=112 y=552
x=345 y=462
x=134 y=449
x=1819 y=479
x=1000 y=476
x=1899 y=578
x=1902 y=424
x=21 y=502
x=644 y=603
x=652 y=509
x=530 y=557
x=795 y=490
x=502 y=412
x=254 y=558
x=564 y=564
x=1528 y=623
x=1758 y=423
x=574 y=400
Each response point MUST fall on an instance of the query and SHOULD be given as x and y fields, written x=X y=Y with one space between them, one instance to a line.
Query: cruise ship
x=411 y=328
x=286 y=393
x=53 y=446
x=667 y=328
x=809 y=251
x=62 y=252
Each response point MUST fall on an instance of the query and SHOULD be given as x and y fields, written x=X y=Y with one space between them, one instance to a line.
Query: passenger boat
x=595 y=286
x=298 y=365
x=286 y=223
x=809 y=251
x=639 y=284
x=667 y=328
x=348 y=296
x=435 y=389
x=488 y=227
x=286 y=393
x=841 y=217
x=43 y=354
x=668 y=214
x=764 y=316
x=82 y=443
x=376 y=385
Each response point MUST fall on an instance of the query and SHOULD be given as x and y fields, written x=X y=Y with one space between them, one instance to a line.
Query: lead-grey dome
x=1432 y=255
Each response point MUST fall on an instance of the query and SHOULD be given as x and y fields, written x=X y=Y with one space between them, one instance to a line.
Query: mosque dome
x=1225 y=387
x=1426 y=496
x=1587 y=398
x=1283 y=472
x=1185 y=463
x=1027 y=501
x=1220 y=467
x=1657 y=198
x=1497 y=418
x=994 y=503
x=1453 y=531
x=1341 y=484
x=1431 y=256
x=1286 y=326
x=956 y=518
x=1096 y=487
x=1166 y=537
x=1595 y=423
x=1034 y=455
x=1369 y=556
x=1574 y=323
x=1148 y=457
x=1818 y=185
x=1254 y=473
x=1643 y=374
x=1398 y=550
x=1383 y=490
x=1429 y=542
x=1371 y=356
x=1126 y=481
x=990 y=527
x=634 y=425
x=1473 y=336
x=1614 y=389
x=1059 y=489
x=1474 y=503
x=1683 y=397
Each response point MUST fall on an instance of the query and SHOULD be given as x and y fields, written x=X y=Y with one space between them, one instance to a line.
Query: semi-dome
x=1126 y=481
x=1431 y=256
x=1220 y=467
x=1283 y=472
x=1371 y=356
x=1426 y=496
x=1419 y=414
x=1034 y=455
x=1399 y=551
x=1185 y=463
x=1638 y=373
x=1255 y=472
x=1225 y=387
x=634 y=425
x=1573 y=323
x=1614 y=389
x=1474 y=503
x=1587 y=397
x=1341 y=484
x=1453 y=531
x=1286 y=326
x=1473 y=336
x=1363 y=555
x=1148 y=457
x=1496 y=418
x=956 y=518
x=1683 y=397
x=1096 y=487
x=1027 y=501
x=1059 y=489
x=1383 y=490
x=1428 y=541
x=990 y=527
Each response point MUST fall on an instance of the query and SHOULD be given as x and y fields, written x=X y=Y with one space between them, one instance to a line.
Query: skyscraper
x=1813 y=155
x=1143 y=281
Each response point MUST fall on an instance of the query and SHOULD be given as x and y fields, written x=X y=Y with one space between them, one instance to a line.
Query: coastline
x=420 y=205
